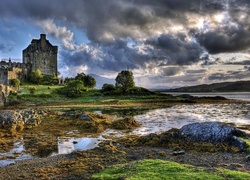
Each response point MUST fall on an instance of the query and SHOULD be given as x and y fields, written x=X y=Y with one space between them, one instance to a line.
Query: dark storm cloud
x=171 y=71
x=115 y=57
x=226 y=39
x=98 y=17
x=230 y=35
x=176 y=49
x=109 y=25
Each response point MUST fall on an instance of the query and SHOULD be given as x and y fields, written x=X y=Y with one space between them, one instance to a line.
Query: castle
x=40 y=54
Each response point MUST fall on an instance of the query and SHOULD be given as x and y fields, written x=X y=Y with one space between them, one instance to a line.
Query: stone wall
x=42 y=55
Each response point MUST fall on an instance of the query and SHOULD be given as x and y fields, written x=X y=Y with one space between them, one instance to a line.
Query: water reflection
x=67 y=145
x=17 y=153
x=154 y=120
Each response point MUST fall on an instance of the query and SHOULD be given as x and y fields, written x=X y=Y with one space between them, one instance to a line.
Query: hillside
x=238 y=86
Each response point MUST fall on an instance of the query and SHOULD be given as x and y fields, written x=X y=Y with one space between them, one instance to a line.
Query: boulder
x=85 y=117
x=26 y=117
x=213 y=132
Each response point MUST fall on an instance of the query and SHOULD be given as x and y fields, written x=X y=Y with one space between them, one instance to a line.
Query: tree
x=125 y=80
x=36 y=76
x=89 y=81
x=108 y=87
x=80 y=76
x=49 y=79
x=74 y=88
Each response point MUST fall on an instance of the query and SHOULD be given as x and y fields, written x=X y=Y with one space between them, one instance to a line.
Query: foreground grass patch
x=159 y=169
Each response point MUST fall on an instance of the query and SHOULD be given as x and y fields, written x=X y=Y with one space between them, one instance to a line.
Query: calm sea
x=229 y=95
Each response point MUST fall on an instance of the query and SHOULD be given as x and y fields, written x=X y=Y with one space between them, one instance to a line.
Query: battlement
x=9 y=64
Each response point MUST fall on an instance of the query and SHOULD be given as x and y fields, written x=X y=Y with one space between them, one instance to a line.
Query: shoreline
x=112 y=153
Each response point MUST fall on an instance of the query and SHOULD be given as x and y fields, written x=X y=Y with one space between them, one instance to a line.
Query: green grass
x=46 y=94
x=40 y=89
x=234 y=175
x=160 y=170
x=247 y=142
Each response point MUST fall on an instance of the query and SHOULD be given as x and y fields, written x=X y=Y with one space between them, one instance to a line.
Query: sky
x=165 y=43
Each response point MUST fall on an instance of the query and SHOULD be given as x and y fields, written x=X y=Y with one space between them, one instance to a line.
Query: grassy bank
x=48 y=95
x=160 y=169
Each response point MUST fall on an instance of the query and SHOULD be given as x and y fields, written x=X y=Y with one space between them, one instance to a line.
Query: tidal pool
x=160 y=120
x=152 y=121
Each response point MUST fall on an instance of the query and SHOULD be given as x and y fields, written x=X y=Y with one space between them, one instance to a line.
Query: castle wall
x=41 y=55
x=4 y=76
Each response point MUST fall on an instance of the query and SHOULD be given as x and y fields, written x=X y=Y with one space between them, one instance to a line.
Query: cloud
x=152 y=38
x=176 y=49
x=61 y=33
x=229 y=75
x=243 y=62
x=4 y=48
x=225 y=39
x=197 y=71
x=172 y=71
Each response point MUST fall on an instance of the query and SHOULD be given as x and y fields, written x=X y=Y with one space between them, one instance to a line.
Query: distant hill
x=238 y=86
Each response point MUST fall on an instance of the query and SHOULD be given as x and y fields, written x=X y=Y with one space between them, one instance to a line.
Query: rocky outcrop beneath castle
x=213 y=132
x=27 y=117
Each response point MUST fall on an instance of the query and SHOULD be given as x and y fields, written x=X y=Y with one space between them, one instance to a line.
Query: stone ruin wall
x=11 y=70
x=40 y=54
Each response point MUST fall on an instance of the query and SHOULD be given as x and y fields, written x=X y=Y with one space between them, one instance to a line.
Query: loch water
x=152 y=121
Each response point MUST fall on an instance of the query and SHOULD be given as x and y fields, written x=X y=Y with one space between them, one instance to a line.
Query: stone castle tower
x=42 y=55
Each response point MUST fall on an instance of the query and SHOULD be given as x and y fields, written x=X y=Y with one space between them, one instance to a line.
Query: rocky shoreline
x=189 y=145
x=91 y=161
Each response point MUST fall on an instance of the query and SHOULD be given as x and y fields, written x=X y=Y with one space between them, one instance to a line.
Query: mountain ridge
x=237 y=86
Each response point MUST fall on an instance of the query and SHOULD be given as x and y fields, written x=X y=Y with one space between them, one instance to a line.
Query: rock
x=176 y=153
x=69 y=113
x=248 y=158
x=213 y=132
x=85 y=117
x=25 y=117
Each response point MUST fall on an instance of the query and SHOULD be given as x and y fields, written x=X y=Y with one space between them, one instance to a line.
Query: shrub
x=15 y=82
x=74 y=88
x=108 y=87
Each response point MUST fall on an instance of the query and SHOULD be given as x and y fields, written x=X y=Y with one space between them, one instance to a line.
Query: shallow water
x=152 y=121
x=160 y=120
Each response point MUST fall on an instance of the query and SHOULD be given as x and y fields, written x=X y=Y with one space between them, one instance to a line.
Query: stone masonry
x=42 y=55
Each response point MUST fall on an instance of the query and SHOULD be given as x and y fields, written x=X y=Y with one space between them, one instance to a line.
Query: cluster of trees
x=75 y=87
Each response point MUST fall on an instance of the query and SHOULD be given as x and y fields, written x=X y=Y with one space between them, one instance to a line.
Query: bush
x=15 y=82
x=74 y=88
x=108 y=87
